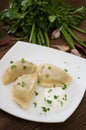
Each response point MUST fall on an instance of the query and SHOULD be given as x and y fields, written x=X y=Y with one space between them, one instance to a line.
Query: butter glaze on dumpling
x=23 y=89
x=51 y=76
x=17 y=69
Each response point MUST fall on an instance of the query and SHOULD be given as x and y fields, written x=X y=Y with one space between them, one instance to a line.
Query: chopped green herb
x=65 y=97
x=65 y=86
x=11 y=62
x=44 y=109
x=23 y=84
x=39 y=81
x=36 y=93
x=49 y=90
x=24 y=67
x=48 y=101
x=56 y=97
x=54 y=85
x=13 y=66
x=47 y=75
x=35 y=104
x=78 y=77
x=61 y=103
x=31 y=63
x=65 y=62
x=18 y=83
x=23 y=60
x=49 y=67
x=65 y=70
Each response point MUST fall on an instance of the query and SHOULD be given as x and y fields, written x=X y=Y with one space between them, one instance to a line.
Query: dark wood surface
x=77 y=121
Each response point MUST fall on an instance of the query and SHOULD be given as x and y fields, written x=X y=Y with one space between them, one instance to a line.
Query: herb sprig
x=34 y=20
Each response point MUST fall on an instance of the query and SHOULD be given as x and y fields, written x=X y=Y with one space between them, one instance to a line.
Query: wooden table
x=8 y=122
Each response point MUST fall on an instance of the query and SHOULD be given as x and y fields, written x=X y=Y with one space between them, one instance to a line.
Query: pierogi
x=51 y=76
x=23 y=88
x=17 y=69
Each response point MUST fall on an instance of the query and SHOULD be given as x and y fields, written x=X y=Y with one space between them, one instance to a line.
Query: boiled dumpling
x=51 y=76
x=23 y=88
x=17 y=69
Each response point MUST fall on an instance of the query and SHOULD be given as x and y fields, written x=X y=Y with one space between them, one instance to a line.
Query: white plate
x=37 y=54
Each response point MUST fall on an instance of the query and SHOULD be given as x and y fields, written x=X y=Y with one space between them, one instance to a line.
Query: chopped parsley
x=65 y=97
x=35 y=104
x=22 y=84
x=47 y=75
x=23 y=60
x=61 y=103
x=65 y=70
x=49 y=90
x=39 y=81
x=13 y=66
x=65 y=86
x=11 y=62
x=49 y=67
x=54 y=85
x=65 y=62
x=36 y=93
x=44 y=109
x=56 y=97
x=24 y=67
x=48 y=101
x=78 y=77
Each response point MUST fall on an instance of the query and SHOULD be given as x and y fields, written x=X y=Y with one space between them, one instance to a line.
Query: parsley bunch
x=35 y=19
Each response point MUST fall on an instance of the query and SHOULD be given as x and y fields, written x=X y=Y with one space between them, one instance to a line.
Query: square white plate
x=37 y=54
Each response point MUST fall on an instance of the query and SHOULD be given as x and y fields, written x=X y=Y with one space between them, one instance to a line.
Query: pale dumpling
x=23 y=89
x=17 y=69
x=51 y=76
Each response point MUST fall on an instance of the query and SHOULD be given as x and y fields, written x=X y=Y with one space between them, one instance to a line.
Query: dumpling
x=23 y=88
x=17 y=69
x=51 y=76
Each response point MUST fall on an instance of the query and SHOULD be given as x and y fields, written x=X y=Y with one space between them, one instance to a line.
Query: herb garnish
x=65 y=70
x=47 y=75
x=23 y=60
x=33 y=19
x=44 y=109
x=48 y=101
x=49 y=67
x=49 y=90
x=56 y=97
x=22 y=84
x=24 y=67
x=11 y=62
x=13 y=66
x=36 y=93
x=35 y=104
x=65 y=86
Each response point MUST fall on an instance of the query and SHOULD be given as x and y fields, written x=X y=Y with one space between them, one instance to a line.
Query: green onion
x=75 y=37
x=67 y=38
x=78 y=29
